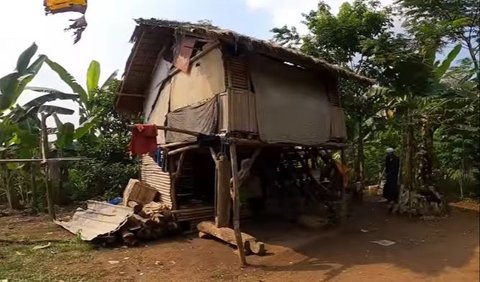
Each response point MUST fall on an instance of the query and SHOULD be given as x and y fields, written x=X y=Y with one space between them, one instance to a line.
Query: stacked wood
x=150 y=221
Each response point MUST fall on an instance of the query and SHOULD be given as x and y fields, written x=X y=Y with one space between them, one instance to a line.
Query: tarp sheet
x=98 y=219
x=199 y=118
x=292 y=104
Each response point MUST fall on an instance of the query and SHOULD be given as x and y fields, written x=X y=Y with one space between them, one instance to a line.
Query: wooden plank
x=236 y=204
x=183 y=149
x=248 y=243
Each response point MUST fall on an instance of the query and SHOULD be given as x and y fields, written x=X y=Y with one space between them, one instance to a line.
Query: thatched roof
x=150 y=35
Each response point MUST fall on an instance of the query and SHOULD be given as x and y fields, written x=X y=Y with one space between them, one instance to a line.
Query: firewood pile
x=151 y=220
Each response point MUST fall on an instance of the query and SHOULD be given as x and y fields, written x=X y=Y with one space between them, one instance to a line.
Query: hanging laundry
x=144 y=139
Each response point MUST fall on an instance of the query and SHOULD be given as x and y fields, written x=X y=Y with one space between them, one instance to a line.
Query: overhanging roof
x=151 y=35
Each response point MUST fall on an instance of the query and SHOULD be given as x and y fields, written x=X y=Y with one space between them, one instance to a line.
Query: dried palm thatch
x=206 y=30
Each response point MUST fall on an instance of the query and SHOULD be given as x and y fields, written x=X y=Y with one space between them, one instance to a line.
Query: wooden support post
x=222 y=189
x=176 y=176
x=343 y=208
x=236 y=204
x=33 y=182
x=48 y=181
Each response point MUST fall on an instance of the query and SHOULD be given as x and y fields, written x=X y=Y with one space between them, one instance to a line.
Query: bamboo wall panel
x=237 y=107
x=242 y=112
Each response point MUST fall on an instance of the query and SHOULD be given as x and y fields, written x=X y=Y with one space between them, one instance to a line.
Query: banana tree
x=13 y=84
x=90 y=112
x=12 y=135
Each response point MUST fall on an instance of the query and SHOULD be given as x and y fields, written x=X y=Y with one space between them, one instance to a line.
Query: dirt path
x=445 y=249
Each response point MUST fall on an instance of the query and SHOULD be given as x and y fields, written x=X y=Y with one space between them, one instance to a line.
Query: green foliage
x=13 y=84
x=429 y=109
x=109 y=166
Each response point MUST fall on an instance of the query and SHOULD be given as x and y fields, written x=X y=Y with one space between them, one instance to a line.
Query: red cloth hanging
x=144 y=139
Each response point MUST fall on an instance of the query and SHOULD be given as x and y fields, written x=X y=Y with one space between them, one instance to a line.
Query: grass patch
x=67 y=261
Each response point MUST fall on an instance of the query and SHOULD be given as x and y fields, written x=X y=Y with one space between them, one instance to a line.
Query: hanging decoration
x=62 y=6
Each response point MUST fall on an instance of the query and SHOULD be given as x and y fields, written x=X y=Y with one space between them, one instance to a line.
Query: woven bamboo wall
x=237 y=105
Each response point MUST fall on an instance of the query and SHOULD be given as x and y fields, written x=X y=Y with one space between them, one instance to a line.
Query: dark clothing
x=392 y=167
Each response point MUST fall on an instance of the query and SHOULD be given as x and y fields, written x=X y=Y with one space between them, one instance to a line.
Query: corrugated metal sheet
x=153 y=175
x=98 y=219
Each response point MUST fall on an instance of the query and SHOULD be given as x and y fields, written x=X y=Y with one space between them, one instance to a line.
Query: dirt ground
x=444 y=249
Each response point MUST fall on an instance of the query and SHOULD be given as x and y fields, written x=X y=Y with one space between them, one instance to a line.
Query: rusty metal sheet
x=98 y=219
x=182 y=62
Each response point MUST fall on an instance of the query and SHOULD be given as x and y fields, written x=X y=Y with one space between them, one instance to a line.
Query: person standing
x=392 y=167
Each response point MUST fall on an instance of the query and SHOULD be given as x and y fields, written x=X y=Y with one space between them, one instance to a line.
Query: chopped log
x=249 y=243
x=128 y=237
x=203 y=235
x=159 y=232
x=137 y=208
x=172 y=227
x=145 y=233
x=255 y=247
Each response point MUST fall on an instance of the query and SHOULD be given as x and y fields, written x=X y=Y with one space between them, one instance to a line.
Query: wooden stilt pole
x=343 y=207
x=33 y=181
x=222 y=189
x=48 y=181
x=236 y=204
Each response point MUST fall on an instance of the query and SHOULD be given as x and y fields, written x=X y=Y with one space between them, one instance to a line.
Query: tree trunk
x=409 y=154
x=360 y=156
x=48 y=182
x=426 y=174
x=33 y=181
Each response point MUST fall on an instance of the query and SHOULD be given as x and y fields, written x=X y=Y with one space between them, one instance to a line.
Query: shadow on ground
x=426 y=248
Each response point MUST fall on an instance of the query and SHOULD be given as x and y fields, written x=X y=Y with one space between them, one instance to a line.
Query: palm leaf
x=8 y=84
x=93 y=76
x=51 y=96
x=50 y=109
x=109 y=80
x=68 y=79
x=445 y=65
x=85 y=127
x=58 y=122
x=24 y=58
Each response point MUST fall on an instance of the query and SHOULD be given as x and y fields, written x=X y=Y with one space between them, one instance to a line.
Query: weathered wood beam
x=236 y=203
x=175 y=144
x=222 y=189
x=175 y=129
x=251 y=142
x=183 y=149
x=248 y=244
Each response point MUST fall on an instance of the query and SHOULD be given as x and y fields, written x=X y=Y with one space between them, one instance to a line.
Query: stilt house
x=234 y=98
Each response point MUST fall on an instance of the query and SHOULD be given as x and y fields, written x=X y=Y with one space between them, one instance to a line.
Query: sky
x=106 y=38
